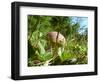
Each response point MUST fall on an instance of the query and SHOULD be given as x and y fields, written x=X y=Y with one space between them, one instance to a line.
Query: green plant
x=41 y=51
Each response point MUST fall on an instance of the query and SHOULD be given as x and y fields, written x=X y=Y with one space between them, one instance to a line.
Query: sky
x=83 y=21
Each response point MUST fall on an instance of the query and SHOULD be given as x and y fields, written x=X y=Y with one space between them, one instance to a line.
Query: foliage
x=39 y=49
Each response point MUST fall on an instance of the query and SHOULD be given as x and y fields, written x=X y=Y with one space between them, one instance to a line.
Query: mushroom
x=56 y=40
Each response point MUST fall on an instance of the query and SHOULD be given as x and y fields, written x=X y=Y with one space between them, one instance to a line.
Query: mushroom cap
x=52 y=36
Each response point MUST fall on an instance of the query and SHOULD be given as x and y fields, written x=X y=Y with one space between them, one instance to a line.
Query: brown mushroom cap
x=55 y=37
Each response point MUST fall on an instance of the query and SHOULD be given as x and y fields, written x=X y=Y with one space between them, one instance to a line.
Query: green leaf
x=45 y=57
x=66 y=56
x=41 y=48
x=60 y=51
